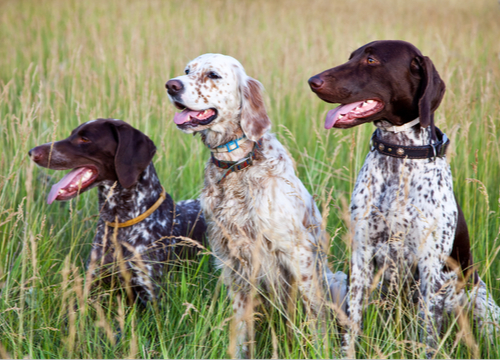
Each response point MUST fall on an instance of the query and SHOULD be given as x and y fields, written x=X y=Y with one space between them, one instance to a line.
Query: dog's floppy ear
x=432 y=91
x=254 y=120
x=133 y=154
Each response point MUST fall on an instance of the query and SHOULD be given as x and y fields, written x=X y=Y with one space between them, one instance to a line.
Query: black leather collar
x=430 y=151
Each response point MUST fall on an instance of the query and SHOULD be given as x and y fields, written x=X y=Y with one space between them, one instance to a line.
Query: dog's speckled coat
x=263 y=225
x=405 y=219
x=128 y=186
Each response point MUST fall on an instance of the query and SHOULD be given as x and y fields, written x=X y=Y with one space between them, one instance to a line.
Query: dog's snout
x=35 y=154
x=174 y=86
x=315 y=83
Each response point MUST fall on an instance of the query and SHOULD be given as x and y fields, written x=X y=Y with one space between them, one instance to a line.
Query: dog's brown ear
x=133 y=154
x=254 y=120
x=432 y=92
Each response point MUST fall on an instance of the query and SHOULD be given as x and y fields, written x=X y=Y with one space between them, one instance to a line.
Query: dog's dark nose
x=315 y=83
x=174 y=86
x=35 y=154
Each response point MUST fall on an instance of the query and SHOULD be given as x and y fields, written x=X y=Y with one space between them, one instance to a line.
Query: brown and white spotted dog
x=405 y=218
x=263 y=225
x=116 y=158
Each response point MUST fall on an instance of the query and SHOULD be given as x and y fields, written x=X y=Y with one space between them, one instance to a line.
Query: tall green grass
x=66 y=62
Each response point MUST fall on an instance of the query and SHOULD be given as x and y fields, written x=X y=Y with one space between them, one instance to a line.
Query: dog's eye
x=186 y=71
x=84 y=140
x=213 y=75
x=371 y=61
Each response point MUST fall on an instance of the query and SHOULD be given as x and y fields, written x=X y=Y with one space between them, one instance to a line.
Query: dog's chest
x=248 y=203
x=145 y=238
x=404 y=208
x=144 y=233
x=229 y=205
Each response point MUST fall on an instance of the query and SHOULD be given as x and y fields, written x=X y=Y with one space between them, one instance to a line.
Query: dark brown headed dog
x=405 y=218
x=116 y=158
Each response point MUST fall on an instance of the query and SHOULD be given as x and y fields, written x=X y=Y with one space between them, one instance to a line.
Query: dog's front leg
x=432 y=301
x=239 y=329
x=360 y=280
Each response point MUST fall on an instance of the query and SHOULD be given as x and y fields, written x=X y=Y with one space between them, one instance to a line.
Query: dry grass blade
x=104 y=324
x=121 y=262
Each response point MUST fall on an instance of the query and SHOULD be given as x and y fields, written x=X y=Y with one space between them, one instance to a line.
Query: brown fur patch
x=254 y=119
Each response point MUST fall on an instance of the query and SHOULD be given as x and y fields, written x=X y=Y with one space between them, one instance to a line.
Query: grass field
x=65 y=62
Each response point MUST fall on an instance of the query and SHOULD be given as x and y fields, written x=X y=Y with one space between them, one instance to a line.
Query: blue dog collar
x=230 y=146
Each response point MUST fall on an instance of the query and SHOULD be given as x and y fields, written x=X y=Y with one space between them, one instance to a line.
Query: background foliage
x=65 y=62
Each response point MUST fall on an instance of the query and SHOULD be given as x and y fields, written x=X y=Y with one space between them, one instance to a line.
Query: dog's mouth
x=346 y=115
x=73 y=183
x=192 y=118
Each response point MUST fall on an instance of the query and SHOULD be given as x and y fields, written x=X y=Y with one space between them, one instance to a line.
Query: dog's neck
x=213 y=139
x=128 y=203
x=415 y=135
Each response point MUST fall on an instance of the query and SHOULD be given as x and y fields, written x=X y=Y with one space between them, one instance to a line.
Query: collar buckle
x=248 y=159
x=434 y=150
x=232 y=145
x=439 y=148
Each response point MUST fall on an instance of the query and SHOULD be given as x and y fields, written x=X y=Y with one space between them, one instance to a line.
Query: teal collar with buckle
x=231 y=167
x=230 y=146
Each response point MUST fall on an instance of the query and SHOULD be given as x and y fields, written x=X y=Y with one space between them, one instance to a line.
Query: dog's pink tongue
x=334 y=114
x=186 y=114
x=54 y=191
x=182 y=117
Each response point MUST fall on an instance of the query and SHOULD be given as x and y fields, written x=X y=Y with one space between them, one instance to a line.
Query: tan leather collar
x=143 y=216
